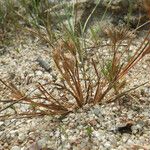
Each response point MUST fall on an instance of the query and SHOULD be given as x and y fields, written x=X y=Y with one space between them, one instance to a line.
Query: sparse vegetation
x=85 y=77
x=70 y=74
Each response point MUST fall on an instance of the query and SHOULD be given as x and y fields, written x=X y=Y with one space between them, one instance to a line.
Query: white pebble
x=39 y=73
x=15 y=148
x=107 y=145
x=1 y=123
x=124 y=139
x=130 y=142
x=23 y=148
x=13 y=133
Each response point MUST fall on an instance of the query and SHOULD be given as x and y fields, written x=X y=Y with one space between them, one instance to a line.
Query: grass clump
x=85 y=78
x=90 y=82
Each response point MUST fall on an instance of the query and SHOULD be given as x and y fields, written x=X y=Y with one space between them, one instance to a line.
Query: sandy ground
x=19 y=65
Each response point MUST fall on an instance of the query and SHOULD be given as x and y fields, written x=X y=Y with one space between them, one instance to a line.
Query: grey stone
x=97 y=111
x=44 y=64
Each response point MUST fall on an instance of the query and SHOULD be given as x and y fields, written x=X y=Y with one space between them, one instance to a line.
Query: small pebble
x=39 y=73
x=15 y=148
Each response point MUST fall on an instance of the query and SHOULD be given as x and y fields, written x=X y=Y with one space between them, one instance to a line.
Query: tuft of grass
x=78 y=87
x=85 y=78
x=89 y=132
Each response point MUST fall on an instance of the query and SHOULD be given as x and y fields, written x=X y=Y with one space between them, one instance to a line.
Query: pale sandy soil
x=19 y=65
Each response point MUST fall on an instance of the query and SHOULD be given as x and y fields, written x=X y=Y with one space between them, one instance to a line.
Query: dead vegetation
x=85 y=79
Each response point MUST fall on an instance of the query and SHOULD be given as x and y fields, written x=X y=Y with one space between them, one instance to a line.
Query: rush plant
x=79 y=84
x=86 y=78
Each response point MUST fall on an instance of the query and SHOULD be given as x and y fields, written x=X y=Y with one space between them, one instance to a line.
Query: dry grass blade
x=42 y=108
x=123 y=93
x=85 y=78
x=139 y=54
x=117 y=34
x=67 y=66
x=116 y=69
x=54 y=103
x=41 y=35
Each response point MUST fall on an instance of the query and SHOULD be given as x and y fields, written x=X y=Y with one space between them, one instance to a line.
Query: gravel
x=90 y=128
